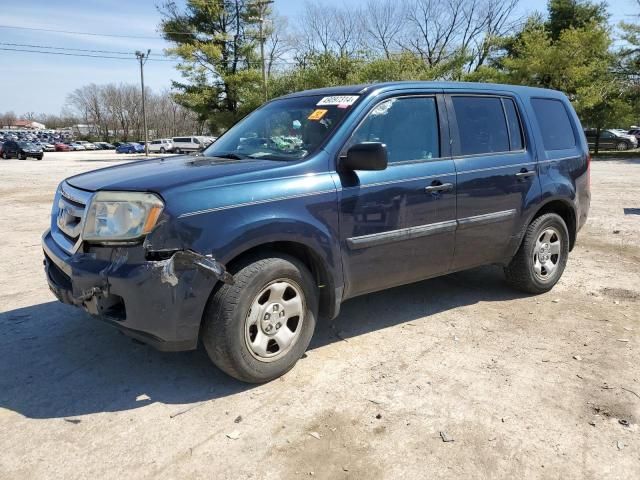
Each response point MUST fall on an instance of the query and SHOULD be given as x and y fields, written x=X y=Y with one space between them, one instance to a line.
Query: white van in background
x=162 y=145
x=190 y=144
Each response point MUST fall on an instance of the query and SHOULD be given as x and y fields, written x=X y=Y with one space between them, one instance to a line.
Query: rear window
x=554 y=122
x=482 y=125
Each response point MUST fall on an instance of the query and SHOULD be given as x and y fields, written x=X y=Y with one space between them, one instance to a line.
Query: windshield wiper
x=230 y=155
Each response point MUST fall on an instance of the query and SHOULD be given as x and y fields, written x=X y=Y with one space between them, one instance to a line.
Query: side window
x=606 y=134
x=481 y=125
x=515 y=129
x=554 y=122
x=408 y=126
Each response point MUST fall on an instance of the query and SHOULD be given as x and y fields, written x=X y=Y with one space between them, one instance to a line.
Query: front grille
x=67 y=216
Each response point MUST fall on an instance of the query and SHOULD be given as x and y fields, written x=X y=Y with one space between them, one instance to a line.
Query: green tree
x=216 y=42
x=565 y=14
x=629 y=66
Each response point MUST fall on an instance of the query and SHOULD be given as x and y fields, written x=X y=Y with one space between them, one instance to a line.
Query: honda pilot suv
x=315 y=198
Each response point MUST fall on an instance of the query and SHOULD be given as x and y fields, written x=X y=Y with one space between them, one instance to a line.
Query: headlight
x=114 y=216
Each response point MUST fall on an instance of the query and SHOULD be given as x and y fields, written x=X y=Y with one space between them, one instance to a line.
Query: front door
x=496 y=173
x=398 y=225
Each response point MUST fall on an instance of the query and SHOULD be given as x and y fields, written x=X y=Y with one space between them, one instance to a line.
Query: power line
x=72 y=49
x=82 y=55
x=93 y=34
x=245 y=62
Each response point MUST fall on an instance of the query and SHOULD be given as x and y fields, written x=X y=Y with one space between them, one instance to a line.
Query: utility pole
x=143 y=57
x=262 y=6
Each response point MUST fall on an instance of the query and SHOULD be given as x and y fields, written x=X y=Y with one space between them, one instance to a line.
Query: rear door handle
x=524 y=173
x=442 y=187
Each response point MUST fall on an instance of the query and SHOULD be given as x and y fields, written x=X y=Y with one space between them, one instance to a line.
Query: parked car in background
x=189 y=144
x=87 y=145
x=611 y=139
x=62 y=147
x=130 y=147
x=384 y=185
x=163 y=145
x=47 y=147
x=104 y=145
x=75 y=146
x=635 y=132
x=21 y=150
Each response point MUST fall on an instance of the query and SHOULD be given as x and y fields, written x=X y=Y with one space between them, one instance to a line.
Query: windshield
x=26 y=145
x=287 y=129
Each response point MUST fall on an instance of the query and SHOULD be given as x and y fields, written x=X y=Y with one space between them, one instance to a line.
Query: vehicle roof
x=408 y=85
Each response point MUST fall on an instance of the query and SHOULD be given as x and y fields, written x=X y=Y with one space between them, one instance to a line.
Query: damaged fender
x=186 y=259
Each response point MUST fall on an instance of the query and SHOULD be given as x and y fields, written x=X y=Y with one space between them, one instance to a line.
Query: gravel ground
x=523 y=386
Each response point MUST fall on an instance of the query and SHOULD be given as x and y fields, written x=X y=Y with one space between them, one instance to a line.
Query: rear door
x=607 y=140
x=397 y=225
x=496 y=175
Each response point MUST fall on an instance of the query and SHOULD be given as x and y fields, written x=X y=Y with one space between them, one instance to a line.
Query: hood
x=160 y=174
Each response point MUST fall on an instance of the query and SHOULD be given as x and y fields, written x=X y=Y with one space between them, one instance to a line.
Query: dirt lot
x=527 y=387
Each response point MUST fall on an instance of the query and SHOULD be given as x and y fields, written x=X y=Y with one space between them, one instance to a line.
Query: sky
x=31 y=82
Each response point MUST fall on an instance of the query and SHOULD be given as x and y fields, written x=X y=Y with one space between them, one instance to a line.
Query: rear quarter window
x=555 y=124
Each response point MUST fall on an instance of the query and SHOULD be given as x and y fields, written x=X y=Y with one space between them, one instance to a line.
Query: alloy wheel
x=274 y=321
x=546 y=253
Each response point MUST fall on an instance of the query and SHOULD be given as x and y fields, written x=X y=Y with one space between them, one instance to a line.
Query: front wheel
x=162 y=150
x=258 y=328
x=4 y=156
x=542 y=256
x=622 y=146
x=21 y=156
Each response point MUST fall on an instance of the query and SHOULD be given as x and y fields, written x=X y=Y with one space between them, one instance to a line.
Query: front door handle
x=524 y=173
x=440 y=187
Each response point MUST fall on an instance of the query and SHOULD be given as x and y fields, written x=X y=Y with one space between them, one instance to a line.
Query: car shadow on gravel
x=57 y=362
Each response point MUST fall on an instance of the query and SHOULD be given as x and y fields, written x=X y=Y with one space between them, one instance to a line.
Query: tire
x=523 y=272
x=21 y=156
x=228 y=332
x=162 y=150
x=4 y=156
x=622 y=146
x=178 y=151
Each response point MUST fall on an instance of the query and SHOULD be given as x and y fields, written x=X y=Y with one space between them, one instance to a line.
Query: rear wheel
x=542 y=256
x=4 y=156
x=258 y=328
x=622 y=146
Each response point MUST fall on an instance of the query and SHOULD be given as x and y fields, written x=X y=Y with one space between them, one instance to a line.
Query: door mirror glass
x=365 y=156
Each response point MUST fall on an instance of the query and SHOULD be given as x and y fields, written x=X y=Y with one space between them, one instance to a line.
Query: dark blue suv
x=315 y=198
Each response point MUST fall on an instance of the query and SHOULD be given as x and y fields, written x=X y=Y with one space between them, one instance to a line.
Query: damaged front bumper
x=160 y=302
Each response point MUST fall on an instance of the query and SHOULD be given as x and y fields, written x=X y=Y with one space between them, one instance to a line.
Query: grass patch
x=612 y=154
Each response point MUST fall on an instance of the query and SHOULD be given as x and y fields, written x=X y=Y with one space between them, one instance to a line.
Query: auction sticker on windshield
x=317 y=114
x=340 y=100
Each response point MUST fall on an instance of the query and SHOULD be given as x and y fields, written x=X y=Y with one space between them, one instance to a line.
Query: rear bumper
x=158 y=302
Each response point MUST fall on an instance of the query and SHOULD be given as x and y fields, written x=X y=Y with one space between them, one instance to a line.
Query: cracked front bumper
x=158 y=302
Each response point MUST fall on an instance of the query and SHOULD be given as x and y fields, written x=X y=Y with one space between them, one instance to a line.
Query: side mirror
x=365 y=156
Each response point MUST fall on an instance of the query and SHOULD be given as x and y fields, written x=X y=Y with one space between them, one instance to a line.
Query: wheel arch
x=565 y=210
x=329 y=300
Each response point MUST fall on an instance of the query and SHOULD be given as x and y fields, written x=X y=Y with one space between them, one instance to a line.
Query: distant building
x=82 y=129
x=27 y=125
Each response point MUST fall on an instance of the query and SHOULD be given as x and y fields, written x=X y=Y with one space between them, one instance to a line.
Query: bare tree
x=278 y=43
x=498 y=21
x=383 y=22
x=8 y=119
